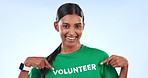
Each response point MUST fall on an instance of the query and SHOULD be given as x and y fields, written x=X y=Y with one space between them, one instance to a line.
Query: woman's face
x=70 y=28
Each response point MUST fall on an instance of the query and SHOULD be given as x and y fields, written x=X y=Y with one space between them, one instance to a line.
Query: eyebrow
x=78 y=23
x=68 y=23
x=65 y=23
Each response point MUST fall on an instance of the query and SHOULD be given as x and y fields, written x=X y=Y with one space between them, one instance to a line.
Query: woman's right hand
x=39 y=62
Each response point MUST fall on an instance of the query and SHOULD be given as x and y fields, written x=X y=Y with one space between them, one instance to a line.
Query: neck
x=69 y=49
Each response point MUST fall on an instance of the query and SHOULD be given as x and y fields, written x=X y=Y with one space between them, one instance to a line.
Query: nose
x=72 y=31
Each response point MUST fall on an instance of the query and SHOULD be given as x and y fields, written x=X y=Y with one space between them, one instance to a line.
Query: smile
x=71 y=39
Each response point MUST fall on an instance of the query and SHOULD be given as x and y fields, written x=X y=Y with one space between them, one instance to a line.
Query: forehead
x=71 y=18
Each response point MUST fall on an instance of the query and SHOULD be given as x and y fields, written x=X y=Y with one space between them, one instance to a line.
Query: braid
x=65 y=9
x=50 y=58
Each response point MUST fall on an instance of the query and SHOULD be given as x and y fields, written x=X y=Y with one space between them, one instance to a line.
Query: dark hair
x=69 y=8
x=65 y=9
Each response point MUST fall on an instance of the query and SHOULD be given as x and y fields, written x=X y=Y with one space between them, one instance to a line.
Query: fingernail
x=37 y=68
x=52 y=68
x=101 y=63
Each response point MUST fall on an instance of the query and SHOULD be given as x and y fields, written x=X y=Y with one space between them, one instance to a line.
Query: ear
x=56 y=26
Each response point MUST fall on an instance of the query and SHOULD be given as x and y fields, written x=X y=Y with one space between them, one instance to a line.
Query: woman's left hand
x=116 y=61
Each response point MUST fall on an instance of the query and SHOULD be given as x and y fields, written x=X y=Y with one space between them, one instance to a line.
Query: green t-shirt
x=84 y=63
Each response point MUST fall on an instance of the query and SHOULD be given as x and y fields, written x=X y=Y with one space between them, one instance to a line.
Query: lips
x=71 y=39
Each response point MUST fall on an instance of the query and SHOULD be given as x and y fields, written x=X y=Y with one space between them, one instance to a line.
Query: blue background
x=116 y=26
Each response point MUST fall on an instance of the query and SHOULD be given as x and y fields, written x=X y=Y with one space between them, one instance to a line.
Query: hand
x=39 y=62
x=116 y=61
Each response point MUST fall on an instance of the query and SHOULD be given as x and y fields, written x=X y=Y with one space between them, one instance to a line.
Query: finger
x=37 y=63
x=114 y=64
x=47 y=65
x=118 y=63
x=38 y=66
x=28 y=62
x=42 y=63
x=114 y=60
x=107 y=60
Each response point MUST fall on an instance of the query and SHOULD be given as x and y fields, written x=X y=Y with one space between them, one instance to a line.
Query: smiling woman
x=73 y=59
x=70 y=27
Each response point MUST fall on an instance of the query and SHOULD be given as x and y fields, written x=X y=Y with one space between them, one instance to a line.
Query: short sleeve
x=34 y=73
x=109 y=71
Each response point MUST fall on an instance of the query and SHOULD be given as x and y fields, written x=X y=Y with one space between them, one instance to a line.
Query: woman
x=73 y=59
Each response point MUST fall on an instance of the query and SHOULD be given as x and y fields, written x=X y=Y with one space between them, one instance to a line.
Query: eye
x=66 y=26
x=78 y=26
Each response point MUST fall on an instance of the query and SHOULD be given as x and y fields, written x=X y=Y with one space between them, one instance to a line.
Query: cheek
x=62 y=32
x=79 y=33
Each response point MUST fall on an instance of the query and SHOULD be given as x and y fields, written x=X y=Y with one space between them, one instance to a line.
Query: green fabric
x=84 y=63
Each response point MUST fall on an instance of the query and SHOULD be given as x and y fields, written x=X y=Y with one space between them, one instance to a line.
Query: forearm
x=23 y=74
x=123 y=72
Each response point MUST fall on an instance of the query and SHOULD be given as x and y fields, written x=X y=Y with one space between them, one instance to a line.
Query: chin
x=71 y=44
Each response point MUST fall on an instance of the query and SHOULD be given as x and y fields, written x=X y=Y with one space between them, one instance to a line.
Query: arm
x=23 y=74
x=123 y=72
x=39 y=62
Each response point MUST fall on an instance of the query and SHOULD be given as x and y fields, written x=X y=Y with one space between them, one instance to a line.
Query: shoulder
x=96 y=52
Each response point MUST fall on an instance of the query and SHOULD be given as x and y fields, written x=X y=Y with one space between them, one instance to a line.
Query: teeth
x=71 y=38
